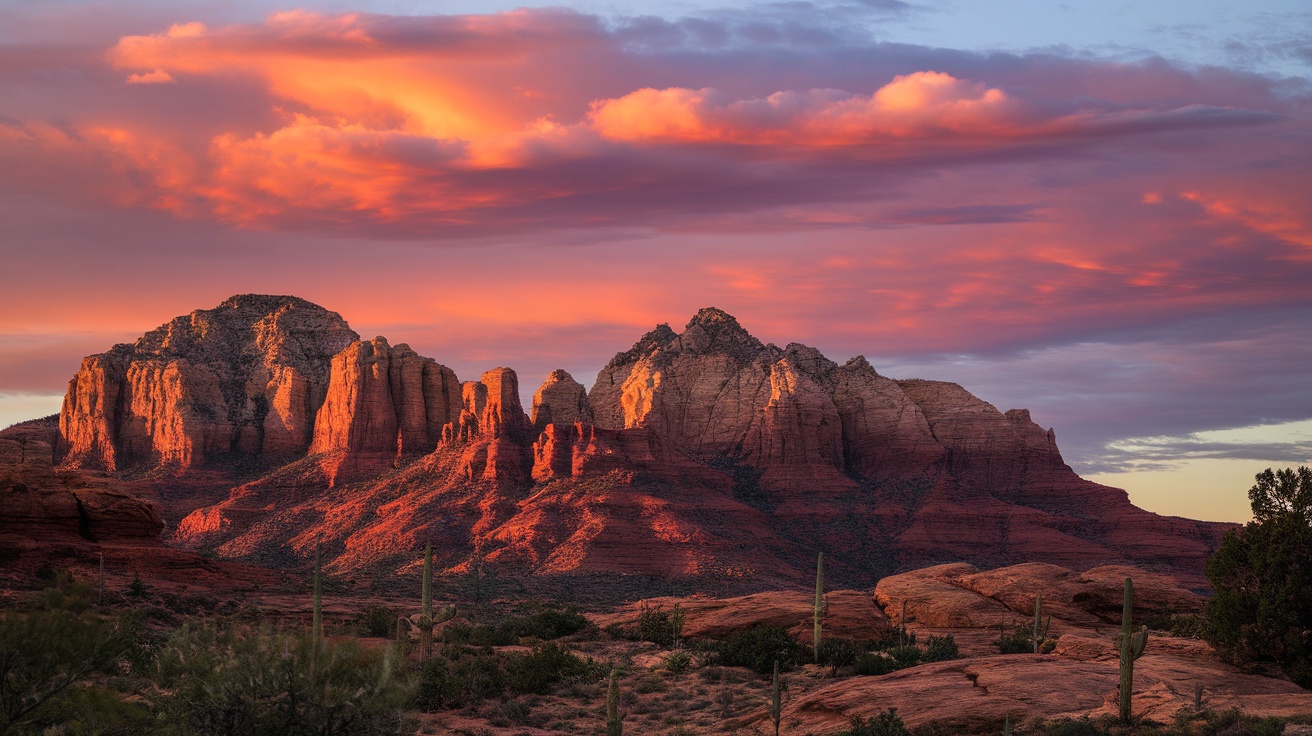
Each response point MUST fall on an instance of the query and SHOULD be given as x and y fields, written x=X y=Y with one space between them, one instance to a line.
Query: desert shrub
x=242 y=680
x=654 y=625
x=1234 y=723
x=874 y=663
x=1187 y=625
x=839 y=652
x=376 y=621
x=759 y=647
x=136 y=588
x=42 y=654
x=544 y=666
x=906 y=656
x=941 y=648
x=90 y=709
x=458 y=677
x=67 y=594
x=1018 y=641
x=545 y=625
x=1071 y=726
x=885 y=723
x=515 y=711
x=677 y=661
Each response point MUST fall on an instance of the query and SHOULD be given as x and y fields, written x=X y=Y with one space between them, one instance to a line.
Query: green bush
x=906 y=656
x=839 y=652
x=654 y=625
x=1234 y=723
x=677 y=661
x=941 y=648
x=759 y=647
x=377 y=621
x=544 y=666
x=886 y=723
x=1018 y=641
x=42 y=654
x=253 y=682
x=545 y=625
x=90 y=709
x=459 y=677
x=875 y=663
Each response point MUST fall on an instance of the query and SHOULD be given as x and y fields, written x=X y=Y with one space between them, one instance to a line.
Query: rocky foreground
x=265 y=426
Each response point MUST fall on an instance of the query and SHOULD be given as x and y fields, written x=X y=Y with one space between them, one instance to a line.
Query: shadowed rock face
x=705 y=453
x=246 y=378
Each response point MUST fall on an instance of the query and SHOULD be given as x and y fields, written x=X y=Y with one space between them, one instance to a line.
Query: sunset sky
x=1099 y=211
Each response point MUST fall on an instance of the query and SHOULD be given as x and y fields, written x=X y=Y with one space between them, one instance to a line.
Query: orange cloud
x=159 y=76
x=916 y=105
x=371 y=120
x=1283 y=220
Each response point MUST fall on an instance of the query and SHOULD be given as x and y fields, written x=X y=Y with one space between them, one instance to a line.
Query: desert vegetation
x=79 y=658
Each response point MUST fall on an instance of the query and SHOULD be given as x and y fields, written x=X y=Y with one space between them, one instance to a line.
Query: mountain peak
x=715 y=330
x=267 y=302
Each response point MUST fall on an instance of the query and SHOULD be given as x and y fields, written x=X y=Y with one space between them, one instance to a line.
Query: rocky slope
x=64 y=518
x=704 y=454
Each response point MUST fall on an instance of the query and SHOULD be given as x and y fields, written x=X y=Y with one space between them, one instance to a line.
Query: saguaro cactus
x=317 y=623
x=819 y=603
x=614 y=726
x=426 y=613
x=1040 y=628
x=776 y=702
x=1132 y=646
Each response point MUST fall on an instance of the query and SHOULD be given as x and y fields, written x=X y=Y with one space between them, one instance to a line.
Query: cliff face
x=704 y=453
x=245 y=378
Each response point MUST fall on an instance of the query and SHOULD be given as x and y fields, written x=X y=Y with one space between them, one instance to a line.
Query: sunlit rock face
x=384 y=399
x=244 y=378
x=704 y=453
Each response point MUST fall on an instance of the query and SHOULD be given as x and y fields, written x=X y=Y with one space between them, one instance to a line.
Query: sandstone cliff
x=244 y=378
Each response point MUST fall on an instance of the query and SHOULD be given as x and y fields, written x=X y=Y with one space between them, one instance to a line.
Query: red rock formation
x=245 y=377
x=694 y=452
x=385 y=400
x=560 y=400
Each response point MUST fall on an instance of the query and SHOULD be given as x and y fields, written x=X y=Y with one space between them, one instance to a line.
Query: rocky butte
x=265 y=425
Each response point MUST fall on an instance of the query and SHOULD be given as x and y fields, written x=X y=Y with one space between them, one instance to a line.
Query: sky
x=1101 y=211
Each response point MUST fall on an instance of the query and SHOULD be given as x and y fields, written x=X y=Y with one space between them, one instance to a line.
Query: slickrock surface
x=969 y=693
x=705 y=454
x=1079 y=678
x=243 y=378
x=959 y=595
x=848 y=613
